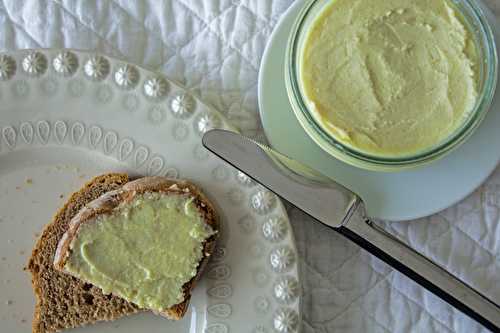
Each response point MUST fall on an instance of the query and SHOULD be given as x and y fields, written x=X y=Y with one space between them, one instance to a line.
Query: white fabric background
x=214 y=47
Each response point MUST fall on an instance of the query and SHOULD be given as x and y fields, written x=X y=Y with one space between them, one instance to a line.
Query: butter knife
x=334 y=205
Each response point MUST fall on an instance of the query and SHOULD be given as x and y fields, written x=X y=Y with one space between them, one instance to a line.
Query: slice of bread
x=109 y=201
x=63 y=301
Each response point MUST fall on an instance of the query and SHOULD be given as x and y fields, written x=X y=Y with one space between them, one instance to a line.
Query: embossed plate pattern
x=66 y=116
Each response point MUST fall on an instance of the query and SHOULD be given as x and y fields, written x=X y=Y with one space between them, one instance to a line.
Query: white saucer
x=390 y=196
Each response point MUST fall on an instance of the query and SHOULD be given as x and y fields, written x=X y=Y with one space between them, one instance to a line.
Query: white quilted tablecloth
x=214 y=47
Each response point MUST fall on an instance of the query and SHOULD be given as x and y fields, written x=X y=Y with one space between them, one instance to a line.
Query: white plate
x=391 y=196
x=68 y=116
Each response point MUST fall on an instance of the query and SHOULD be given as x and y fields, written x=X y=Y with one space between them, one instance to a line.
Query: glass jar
x=486 y=49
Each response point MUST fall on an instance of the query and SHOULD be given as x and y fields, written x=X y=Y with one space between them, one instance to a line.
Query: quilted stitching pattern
x=214 y=48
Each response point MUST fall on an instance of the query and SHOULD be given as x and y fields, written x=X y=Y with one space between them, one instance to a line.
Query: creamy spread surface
x=144 y=252
x=389 y=77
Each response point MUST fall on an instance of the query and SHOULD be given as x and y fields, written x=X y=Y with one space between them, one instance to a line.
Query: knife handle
x=422 y=270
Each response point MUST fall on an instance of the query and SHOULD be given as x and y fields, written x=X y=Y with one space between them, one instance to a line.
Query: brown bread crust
x=110 y=200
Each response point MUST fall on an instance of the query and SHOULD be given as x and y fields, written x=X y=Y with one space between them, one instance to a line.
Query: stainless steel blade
x=300 y=185
x=334 y=205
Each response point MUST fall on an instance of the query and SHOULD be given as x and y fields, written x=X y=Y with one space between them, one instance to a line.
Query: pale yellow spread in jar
x=389 y=77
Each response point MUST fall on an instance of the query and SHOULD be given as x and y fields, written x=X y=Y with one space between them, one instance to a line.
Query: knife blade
x=320 y=197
